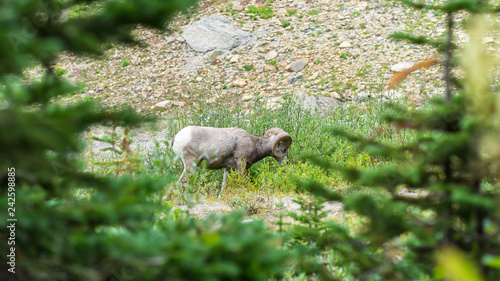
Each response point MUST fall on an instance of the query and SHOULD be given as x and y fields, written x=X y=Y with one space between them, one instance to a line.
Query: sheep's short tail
x=171 y=142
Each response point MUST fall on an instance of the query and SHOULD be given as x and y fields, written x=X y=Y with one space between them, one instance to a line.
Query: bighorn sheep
x=228 y=148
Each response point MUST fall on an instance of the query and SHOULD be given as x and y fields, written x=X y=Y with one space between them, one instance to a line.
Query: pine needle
x=401 y=75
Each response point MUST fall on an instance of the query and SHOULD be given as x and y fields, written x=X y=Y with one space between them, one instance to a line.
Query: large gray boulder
x=315 y=104
x=318 y=104
x=215 y=33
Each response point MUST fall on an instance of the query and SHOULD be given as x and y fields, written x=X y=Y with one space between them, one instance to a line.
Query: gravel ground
x=270 y=215
x=345 y=44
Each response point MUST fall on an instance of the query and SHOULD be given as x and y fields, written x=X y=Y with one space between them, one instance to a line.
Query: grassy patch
x=60 y=71
x=311 y=136
x=248 y=67
x=313 y=12
x=262 y=11
x=86 y=10
x=124 y=63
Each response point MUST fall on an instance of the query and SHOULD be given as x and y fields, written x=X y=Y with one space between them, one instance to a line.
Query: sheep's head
x=281 y=142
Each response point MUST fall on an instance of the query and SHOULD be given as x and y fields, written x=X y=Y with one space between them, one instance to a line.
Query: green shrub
x=248 y=67
x=262 y=11
x=61 y=71
x=313 y=12
x=106 y=221
x=430 y=195
x=291 y=12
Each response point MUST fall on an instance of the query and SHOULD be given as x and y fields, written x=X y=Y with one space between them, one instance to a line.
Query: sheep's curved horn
x=281 y=144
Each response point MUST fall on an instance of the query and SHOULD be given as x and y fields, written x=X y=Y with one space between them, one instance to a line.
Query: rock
x=234 y=59
x=314 y=104
x=238 y=7
x=198 y=79
x=402 y=66
x=345 y=44
x=335 y=95
x=314 y=76
x=268 y=67
x=240 y=82
x=318 y=104
x=170 y=39
x=193 y=63
x=362 y=95
x=215 y=33
x=297 y=65
x=271 y=55
x=294 y=78
x=223 y=55
x=273 y=103
x=178 y=103
x=164 y=104
x=487 y=40
x=384 y=99
x=349 y=9
x=247 y=97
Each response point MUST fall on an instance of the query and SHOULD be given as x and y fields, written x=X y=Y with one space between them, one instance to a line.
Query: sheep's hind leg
x=182 y=175
x=189 y=168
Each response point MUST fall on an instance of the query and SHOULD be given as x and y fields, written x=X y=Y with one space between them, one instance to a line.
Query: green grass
x=124 y=63
x=248 y=67
x=345 y=55
x=291 y=12
x=60 y=71
x=313 y=12
x=262 y=11
x=86 y=10
x=311 y=136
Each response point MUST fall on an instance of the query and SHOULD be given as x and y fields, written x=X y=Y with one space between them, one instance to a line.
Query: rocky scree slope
x=340 y=50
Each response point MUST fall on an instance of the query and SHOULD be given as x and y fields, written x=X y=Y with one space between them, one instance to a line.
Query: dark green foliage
x=473 y=6
x=75 y=225
x=446 y=202
x=231 y=251
x=441 y=192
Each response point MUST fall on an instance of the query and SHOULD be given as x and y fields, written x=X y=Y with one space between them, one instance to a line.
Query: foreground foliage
x=426 y=205
x=118 y=230
x=435 y=211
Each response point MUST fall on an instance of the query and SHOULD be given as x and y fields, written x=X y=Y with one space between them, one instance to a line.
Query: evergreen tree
x=120 y=231
x=451 y=168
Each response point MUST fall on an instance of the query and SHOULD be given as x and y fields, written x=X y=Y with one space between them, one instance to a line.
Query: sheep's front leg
x=241 y=166
x=224 y=181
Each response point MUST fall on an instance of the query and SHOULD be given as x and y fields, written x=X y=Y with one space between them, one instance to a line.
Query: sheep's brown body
x=229 y=148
